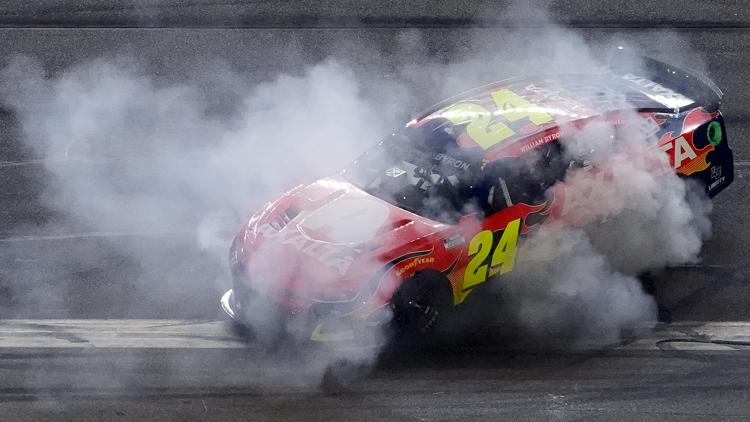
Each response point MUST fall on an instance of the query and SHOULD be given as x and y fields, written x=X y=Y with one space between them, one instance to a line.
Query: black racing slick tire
x=648 y=283
x=421 y=302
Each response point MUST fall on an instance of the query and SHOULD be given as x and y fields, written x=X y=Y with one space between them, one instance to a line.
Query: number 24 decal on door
x=503 y=254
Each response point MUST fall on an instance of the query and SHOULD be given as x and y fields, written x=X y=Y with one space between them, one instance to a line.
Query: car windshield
x=431 y=177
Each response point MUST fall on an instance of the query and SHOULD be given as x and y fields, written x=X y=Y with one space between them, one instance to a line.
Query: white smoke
x=639 y=217
x=630 y=214
x=127 y=153
x=163 y=161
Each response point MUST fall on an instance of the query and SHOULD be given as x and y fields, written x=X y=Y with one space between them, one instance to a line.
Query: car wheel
x=421 y=301
x=648 y=284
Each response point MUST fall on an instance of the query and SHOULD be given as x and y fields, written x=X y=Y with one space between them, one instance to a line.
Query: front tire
x=421 y=302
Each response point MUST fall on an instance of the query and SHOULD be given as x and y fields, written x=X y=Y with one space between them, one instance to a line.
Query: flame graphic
x=524 y=211
x=699 y=163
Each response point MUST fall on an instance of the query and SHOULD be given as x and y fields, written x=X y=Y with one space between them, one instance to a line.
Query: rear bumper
x=721 y=172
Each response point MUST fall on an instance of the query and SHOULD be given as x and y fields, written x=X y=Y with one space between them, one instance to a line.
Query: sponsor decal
x=414 y=264
x=714 y=133
x=658 y=92
x=328 y=255
x=451 y=161
x=679 y=150
x=715 y=172
x=375 y=281
x=716 y=184
x=534 y=143
x=685 y=158
x=395 y=172
x=454 y=241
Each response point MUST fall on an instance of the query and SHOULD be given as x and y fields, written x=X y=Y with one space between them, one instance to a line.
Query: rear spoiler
x=692 y=85
x=702 y=91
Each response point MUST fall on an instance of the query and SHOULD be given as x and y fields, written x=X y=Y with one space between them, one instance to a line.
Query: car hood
x=328 y=237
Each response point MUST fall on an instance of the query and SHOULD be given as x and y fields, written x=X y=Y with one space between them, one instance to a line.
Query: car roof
x=563 y=99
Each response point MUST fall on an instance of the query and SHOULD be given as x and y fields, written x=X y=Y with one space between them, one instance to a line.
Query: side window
x=524 y=179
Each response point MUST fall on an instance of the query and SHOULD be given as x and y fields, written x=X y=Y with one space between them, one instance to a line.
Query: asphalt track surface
x=49 y=372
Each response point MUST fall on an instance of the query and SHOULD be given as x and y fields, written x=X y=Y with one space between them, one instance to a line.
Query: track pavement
x=198 y=370
x=77 y=370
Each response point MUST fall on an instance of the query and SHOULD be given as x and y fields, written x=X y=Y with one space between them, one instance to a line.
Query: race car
x=412 y=227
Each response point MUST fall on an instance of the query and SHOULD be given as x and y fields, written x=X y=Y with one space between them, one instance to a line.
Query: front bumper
x=340 y=332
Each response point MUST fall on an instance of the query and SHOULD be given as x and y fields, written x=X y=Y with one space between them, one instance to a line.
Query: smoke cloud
x=128 y=153
x=166 y=156
x=578 y=276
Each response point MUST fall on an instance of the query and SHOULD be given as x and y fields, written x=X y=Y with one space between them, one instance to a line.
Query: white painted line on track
x=20 y=163
x=201 y=334
x=71 y=160
x=117 y=333
x=32 y=238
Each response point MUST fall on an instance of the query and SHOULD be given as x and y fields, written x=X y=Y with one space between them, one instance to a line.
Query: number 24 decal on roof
x=479 y=125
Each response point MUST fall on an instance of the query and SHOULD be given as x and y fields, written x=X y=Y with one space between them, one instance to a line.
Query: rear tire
x=648 y=283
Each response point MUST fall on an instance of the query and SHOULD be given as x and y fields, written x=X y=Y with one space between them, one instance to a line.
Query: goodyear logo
x=414 y=263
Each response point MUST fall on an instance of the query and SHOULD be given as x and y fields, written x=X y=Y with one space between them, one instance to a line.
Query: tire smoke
x=127 y=152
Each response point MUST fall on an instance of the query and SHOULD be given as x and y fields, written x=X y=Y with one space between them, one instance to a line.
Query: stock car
x=412 y=227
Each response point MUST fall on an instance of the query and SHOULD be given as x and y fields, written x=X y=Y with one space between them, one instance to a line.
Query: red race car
x=413 y=226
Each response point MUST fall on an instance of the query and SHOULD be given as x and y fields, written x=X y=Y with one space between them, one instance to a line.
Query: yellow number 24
x=503 y=255
x=479 y=121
